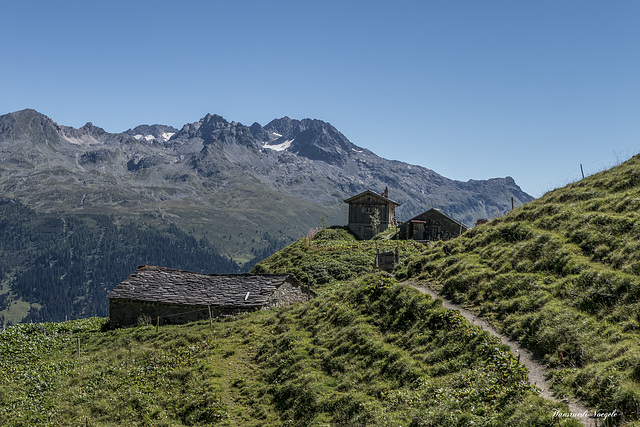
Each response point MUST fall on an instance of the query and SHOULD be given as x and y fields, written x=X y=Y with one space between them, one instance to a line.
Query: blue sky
x=471 y=89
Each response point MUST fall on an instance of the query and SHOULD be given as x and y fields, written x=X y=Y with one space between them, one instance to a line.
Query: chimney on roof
x=385 y=193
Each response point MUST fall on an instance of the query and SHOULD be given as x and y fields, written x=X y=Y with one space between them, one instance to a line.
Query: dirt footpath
x=537 y=371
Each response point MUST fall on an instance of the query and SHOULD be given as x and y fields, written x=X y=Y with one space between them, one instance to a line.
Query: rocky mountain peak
x=214 y=129
x=306 y=159
x=288 y=127
x=214 y=120
x=156 y=132
x=27 y=114
x=258 y=132
x=203 y=127
x=88 y=134
x=90 y=129
x=28 y=124
x=284 y=126
x=313 y=139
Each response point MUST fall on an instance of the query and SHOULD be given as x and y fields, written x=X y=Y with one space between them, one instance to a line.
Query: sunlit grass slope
x=366 y=351
x=561 y=275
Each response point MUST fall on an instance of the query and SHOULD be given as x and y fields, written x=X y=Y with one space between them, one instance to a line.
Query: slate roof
x=165 y=285
x=371 y=193
x=442 y=213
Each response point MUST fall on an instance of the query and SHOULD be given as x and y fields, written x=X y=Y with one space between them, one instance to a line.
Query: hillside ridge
x=365 y=351
x=561 y=276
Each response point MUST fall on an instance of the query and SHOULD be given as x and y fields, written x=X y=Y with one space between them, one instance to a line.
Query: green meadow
x=560 y=275
x=366 y=351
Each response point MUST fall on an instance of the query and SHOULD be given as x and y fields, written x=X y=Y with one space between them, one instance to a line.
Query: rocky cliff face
x=223 y=180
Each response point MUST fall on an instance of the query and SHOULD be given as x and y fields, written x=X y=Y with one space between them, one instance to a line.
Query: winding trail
x=537 y=371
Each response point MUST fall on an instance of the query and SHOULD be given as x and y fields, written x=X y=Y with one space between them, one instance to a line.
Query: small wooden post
x=582 y=170
x=210 y=318
x=157 y=323
x=511 y=202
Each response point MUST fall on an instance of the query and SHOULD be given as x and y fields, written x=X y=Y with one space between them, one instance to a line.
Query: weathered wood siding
x=363 y=208
x=431 y=225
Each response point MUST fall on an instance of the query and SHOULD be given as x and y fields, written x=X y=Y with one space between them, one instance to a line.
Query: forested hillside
x=65 y=265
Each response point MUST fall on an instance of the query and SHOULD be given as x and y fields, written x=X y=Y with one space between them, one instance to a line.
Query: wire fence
x=578 y=173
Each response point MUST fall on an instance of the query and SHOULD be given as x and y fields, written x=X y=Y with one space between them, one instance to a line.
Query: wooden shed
x=433 y=224
x=175 y=296
x=364 y=205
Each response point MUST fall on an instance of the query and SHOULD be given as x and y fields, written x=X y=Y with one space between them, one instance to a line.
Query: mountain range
x=240 y=191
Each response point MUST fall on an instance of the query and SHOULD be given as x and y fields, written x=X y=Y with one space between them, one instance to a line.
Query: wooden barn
x=175 y=296
x=433 y=224
x=364 y=205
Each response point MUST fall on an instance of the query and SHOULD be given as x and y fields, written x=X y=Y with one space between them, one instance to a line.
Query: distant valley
x=227 y=191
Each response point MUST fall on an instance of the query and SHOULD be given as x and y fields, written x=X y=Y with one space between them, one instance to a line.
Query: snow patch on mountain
x=280 y=147
x=164 y=136
x=146 y=137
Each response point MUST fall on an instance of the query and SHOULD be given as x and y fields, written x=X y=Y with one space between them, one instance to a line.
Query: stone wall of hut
x=124 y=313
x=290 y=293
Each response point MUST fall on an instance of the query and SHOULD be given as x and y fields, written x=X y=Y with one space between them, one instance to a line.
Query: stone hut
x=362 y=206
x=433 y=224
x=174 y=297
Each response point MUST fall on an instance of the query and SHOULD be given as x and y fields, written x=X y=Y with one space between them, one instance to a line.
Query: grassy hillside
x=561 y=275
x=366 y=351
